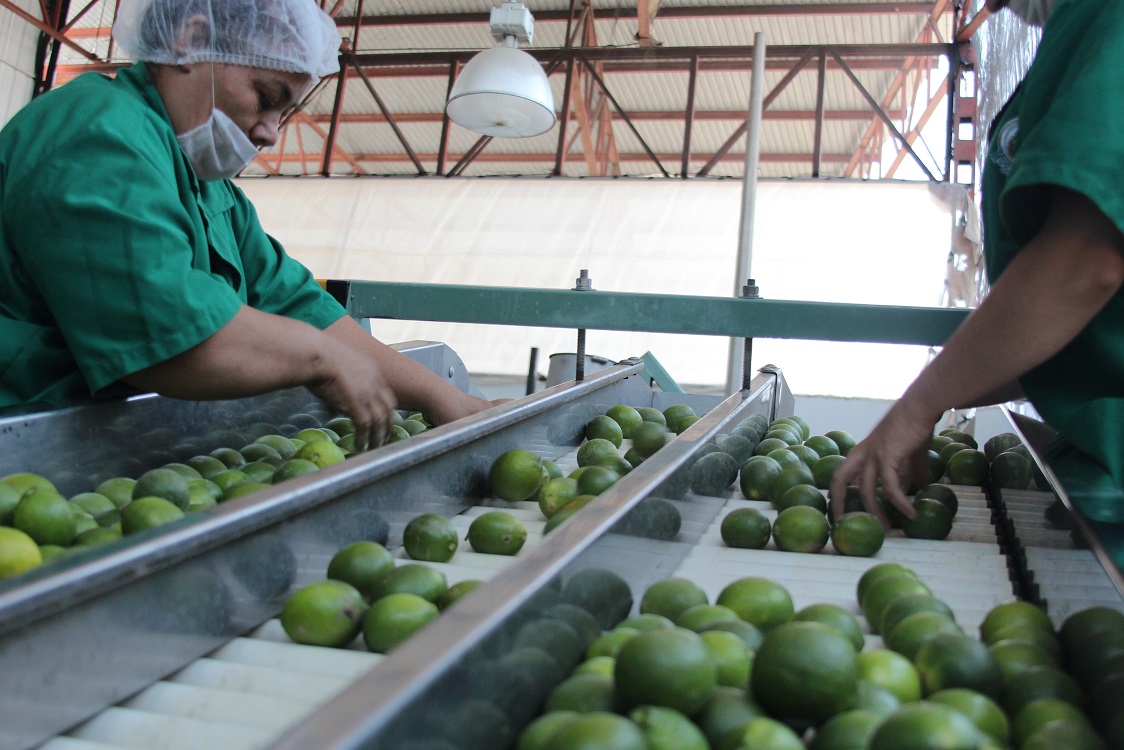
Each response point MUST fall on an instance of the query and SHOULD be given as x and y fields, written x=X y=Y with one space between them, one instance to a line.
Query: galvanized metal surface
x=661 y=313
x=438 y=672
x=103 y=624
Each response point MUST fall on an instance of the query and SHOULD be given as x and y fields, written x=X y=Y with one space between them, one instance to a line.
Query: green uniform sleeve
x=1069 y=127
x=102 y=230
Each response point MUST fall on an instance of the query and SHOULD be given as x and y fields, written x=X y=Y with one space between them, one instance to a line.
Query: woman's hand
x=895 y=454
x=352 y=383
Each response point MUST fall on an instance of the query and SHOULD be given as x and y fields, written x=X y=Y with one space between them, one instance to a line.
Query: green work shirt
x=1062 y=128
x=113 y=256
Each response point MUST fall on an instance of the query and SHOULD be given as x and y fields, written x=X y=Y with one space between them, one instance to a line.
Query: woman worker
x=129 y=261
x=1052 y=326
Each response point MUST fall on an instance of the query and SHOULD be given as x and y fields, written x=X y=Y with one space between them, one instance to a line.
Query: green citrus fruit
x=1038 y=713
x=885 y=590
x=674 y=413
x=805 y=670
x=983 y=712
x=412 y=578
x=942 y=493
x=325 y=613
x=890 y=671
x=183 y=470
x=1000 y=443
x=431 y=538
x=646 y=621
x=1010 y=613
x=227 y=479
x=262 y=452
x=626 y=417
x=703 y=616
x=730 y=656
x=396 y=434
x=118 y=489
x=824 y=469
x=592 y=451
x=801 y=529
x=99 y=506
x=341 y=425
x=670 y=597
x=1015 y=657
x=516 y=475
x=1011 y=471
x=497 y=533
x=968 y=467
x=843 y=440
x=450 y=596
x=834 y=617
x=668 y=729
x=45 y=516
x=164 y=483
x=737 y=447
x=926 y=726
x=1041 y=682
x=147 y=512
x=412 y=426
x=763 y=733
x=850 y=730
x=915 y=631
x=294 y=467
x=876 y=572
x=768 y=446
x=604 y=428
x=596 y=479
x=230 y=457
x=789 y=477
x=712 y=474
x=823 y=446
x=596 y=665
x=598 y=730
x=283 y=445
x=567 y=510
x=857 y=534
x=904 y=606
x=871 y=697
x=755 y=475
x=556 y=493
x=746 y=528
x=323 y=453
x=758 y=601
x=802 y=494
x=647 y=439
x=18 y=552
x=609 y=643
x=670 y=668
x=243 y=488
x=394 y=618
x=97 y=536
x=260 y=471
x=650 y=414
x=933 y=521
x=1064 y=734
x=726 y=714
x=615 y=464
x=951 y=449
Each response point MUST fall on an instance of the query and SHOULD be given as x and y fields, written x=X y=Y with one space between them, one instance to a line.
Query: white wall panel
x=18 y=39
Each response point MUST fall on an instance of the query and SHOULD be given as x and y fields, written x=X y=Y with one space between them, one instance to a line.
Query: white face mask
x=1034 y=12
x=218 y=148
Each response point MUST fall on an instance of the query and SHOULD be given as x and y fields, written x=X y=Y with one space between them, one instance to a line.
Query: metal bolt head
x=583 y=283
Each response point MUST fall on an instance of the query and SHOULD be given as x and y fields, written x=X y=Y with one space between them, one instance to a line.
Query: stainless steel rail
x=392 y=705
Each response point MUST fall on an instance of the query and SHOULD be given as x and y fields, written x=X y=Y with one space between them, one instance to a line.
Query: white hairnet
x=291 y=35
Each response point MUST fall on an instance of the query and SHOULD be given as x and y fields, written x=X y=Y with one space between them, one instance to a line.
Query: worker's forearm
x=1045 y=298
x=253 y=353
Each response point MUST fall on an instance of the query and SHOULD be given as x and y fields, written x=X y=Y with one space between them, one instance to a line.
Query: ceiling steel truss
x=357 y=123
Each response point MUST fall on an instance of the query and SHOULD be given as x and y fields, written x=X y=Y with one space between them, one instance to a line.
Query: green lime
x=668 y=729
x=497 y=533
x=890 y=671
x=293 y=468
x=556 y=493
x=968 y=467
x=983 y=711
x=412 y=578
x=164 y=483
x=604 y=428
x=702 y=616
x=730 y=656
x=789 y=477
x=915 y=631
x=325 y=613
x=99 y=506
x=18 y=552
x=626 y=417
x=431 y=538
x=904 y=606
x=516 y=475
x=583 y=693
x=857 y=534
x=262 y=452
x=118 y=489
x=650 y=414
x=647 y=439
x=758 y=601
x=540 y=731
x=243 y=488
x=926 y=726
x=283 y=445
x=824 y=469
x=592 y=451
x=676 y=412
x=596 y=479
x=801 y=529
x=876 y=572
x=727 y=712
x=802 y=495
x=850 y=730
x=746 y=528
x=230 y=457
x=755 y=475
x=45 y=516
x=884 y=590
x=455 y=592
x=942 y=493
x=610 y=642
x=834 y=617
x=394 y=618
x=671 y=668
x=1038 y=713
x=805 y=670
x=670 y=597
x=323 y=453
x=843 y=440
x=598 y=730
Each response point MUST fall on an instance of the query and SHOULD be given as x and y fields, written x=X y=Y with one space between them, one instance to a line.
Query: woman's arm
x=1043 y=300
x=256 y=352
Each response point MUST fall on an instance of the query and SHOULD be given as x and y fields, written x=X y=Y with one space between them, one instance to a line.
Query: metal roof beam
x=547 y=158
x=674 y=115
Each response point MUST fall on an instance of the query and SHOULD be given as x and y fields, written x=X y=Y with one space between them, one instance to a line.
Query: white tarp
x=873 y=243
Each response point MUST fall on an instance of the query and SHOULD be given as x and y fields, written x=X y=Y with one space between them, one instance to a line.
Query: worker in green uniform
x=128 y=260
x=1052 y=326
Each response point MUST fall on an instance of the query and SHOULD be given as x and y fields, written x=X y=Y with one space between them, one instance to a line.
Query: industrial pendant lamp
x=503 y=91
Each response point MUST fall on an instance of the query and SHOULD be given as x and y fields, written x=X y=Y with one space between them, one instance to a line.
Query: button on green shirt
x=113 y=257
x=1064 y=127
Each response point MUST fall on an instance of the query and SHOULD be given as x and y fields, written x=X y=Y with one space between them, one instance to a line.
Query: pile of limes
x=1004 y=460
x=747 y=671
x=366 y=592
x=38 y=524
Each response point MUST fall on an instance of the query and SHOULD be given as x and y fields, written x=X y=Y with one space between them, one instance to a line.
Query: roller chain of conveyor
x=103 y=667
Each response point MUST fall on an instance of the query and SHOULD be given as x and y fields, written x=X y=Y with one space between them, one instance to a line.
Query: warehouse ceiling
x=642 y=88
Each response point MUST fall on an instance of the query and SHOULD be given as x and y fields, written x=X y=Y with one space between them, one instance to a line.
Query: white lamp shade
x=502 y=92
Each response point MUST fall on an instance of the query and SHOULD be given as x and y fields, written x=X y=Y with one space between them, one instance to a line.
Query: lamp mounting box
x=512 y=19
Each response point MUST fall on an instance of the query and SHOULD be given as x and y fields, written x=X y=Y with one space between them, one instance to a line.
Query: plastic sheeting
x=877 y=243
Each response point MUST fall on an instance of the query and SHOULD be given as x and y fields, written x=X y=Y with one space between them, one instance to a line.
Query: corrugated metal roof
x=653 y=90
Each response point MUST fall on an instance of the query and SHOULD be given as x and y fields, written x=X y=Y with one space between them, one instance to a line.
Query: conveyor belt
x=249 y=691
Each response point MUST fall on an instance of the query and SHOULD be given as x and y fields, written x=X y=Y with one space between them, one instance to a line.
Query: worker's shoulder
x=82 y=108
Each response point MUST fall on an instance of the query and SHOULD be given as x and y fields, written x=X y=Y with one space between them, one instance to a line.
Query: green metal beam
x=657 y=313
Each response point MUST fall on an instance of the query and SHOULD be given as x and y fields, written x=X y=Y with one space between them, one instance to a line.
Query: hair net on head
x=290 y=35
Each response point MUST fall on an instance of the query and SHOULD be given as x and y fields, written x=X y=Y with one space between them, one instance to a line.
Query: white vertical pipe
x=749 y=199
